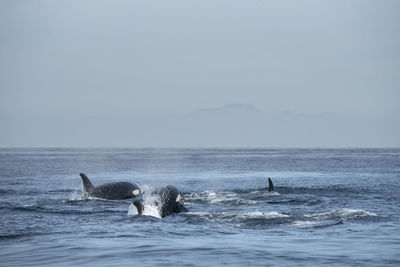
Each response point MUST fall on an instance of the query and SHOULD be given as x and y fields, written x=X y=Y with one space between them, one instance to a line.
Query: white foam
x=132 y=210
x=343 y=213
x=76 y=195
x=308 y=224
x=200 y=213
x=273 y=193
x=216 y=197
x=355 y=212
x=150 y=208
x=219 y=197
x=269 y=214
x=265 y=193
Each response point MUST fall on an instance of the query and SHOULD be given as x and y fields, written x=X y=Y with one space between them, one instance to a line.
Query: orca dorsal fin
x=270 y=185
x=87 y=184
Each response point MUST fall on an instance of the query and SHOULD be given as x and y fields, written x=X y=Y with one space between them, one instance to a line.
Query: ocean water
x=330 y=206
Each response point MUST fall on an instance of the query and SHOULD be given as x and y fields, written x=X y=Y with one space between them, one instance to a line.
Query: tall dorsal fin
x=87 y=184
x=270 y=185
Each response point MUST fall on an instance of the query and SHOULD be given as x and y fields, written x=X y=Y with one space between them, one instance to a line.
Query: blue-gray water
x=336 y=207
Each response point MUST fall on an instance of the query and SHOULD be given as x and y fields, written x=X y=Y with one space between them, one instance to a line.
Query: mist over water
x=199 y=74
x=325 y=205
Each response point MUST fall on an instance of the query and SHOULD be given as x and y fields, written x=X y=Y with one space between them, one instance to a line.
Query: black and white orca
x=117 y=190
x=170 y=201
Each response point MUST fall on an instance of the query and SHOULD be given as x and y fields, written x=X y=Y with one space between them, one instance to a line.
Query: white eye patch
x=136 y=192
x=179 y=199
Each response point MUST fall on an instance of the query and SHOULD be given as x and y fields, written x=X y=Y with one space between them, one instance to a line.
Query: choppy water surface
x=329 y=207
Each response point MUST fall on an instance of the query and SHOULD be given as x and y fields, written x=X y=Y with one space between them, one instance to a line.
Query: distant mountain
x=229 y=109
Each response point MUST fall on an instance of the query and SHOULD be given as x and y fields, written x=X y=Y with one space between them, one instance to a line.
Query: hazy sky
x=131 y=73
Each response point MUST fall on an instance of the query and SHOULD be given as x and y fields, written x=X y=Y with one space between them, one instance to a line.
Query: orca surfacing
x=117 y=190
x=170 y=201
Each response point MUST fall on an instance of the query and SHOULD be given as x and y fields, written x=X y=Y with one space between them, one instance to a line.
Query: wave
x=62 y=191
x=264 y=193
x=315 y=224
x=261 y=214
x=6 y=191
x=229 y=198
x=334 y=217
x=238 y=219
x=256 y=219
x=343 y=213
x=331 y=190
x=252 y=198
x=241 y=214
x=20 y=235
x=297 y=200
x=63 y=211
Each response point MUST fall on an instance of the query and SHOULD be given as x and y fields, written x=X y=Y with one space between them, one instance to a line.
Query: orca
x=117 y=190
x=171 y=201
x=270 y=185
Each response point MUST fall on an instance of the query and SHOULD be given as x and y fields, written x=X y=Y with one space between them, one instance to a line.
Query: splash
x=132 y=210
x=76 y=194
x=150 y=207
x=149 y=203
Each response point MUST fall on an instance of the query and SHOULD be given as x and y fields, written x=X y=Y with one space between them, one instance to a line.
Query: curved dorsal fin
x=87 y=184
x=270 y=185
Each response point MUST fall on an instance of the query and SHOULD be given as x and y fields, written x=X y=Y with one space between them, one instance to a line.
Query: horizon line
x=195 y=147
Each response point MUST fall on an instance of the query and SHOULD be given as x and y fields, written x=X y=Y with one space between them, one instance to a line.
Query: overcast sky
x=131 y=73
